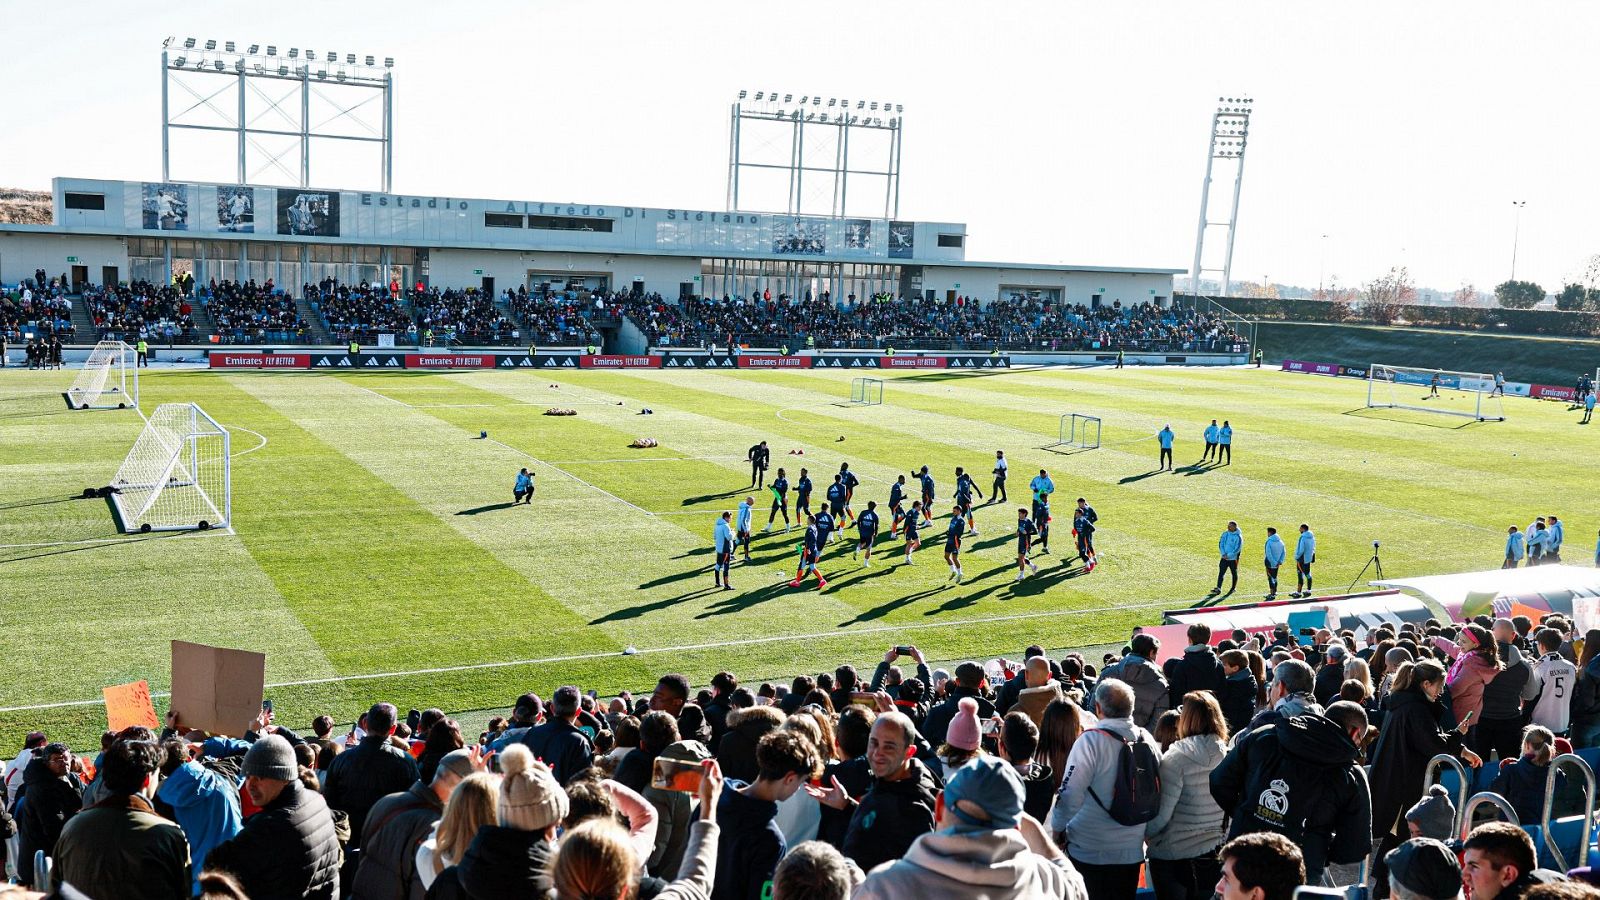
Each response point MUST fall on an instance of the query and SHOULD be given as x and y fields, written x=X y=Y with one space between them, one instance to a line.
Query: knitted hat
x=456 y=762
x=530 y=798
x=1434 y=814
x=963 y=733
x=271 y=757
x=1426 y=868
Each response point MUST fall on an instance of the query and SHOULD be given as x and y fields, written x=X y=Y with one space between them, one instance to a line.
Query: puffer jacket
x=1189 y=822
x=362 y=776
x=287 y=851
x=1469 y=675
x=500 y=864
x=48 y=802
x=736 y=754
x=1503 y=696
x=1149 y=687
x=1238 y=699
x=996 y=865
x=396 y=827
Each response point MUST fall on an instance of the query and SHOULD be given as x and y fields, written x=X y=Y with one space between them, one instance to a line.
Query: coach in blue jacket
x=1229 y=546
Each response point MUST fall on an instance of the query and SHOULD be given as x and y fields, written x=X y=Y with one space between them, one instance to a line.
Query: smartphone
x=676 y=775
x=991 y=726
x=864 y=698
x=1468 y=717
x=267 y=705
x=903 y=651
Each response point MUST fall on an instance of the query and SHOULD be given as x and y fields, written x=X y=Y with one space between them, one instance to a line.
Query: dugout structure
x=866 y=391
x=1079 y=431
x=177 y=476
x=1470 y=395
x=109 y=378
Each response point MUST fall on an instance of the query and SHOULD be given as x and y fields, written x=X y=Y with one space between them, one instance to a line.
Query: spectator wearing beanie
x=119 y=847
x=1434 y=816
x=289 y=848
x=512 y=858
x=962 y=739
x=1423 y=869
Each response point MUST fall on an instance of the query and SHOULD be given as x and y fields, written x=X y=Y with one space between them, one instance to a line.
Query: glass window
x=952 y=240
x=260 y=250
x=502 y=220
x=567 y=223
x=85 y=201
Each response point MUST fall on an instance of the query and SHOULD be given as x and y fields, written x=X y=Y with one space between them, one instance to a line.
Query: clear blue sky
x=1060 y=132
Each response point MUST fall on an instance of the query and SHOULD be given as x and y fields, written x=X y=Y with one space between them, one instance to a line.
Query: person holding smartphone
x=1476 y=665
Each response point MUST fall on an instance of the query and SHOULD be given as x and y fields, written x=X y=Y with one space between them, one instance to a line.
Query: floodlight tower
x=780 y=126
x=1230 y=131
x=283 y=88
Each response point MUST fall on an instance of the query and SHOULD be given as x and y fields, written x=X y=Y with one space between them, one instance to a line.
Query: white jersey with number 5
x=1557 y=677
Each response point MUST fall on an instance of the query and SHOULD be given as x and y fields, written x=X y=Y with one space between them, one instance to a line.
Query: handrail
x=1462 y=783
x=1588 y=808
x=1480 y=799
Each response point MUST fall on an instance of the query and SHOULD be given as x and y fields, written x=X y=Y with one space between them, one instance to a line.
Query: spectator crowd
x=1243 y=767
x=38 y=306
x=247 y=311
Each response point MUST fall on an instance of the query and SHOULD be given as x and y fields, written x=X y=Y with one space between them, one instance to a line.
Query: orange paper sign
x=129 y=704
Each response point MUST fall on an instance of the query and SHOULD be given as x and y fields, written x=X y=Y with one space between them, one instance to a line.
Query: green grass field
x=373 y=541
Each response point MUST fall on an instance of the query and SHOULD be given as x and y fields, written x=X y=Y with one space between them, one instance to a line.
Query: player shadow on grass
x=883 y=609
x=490 y=508
x=634 y=612
x=690 y=501
x=1198 y=467
x=740 y=602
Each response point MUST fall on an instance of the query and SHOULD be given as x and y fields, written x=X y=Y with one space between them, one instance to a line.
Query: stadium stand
x=28 y=308
x=252 y=313
x=1224 y=740
x=360 y=312
x=459 y=316
x=561 y=319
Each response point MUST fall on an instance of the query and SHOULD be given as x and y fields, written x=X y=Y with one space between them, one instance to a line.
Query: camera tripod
x=1372 y=563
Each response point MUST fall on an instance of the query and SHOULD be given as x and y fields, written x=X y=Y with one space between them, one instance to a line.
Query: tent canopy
x=1531 y=591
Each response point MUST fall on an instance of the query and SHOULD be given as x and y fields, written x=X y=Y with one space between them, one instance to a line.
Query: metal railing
x=1462 y=784
x=1550 y=843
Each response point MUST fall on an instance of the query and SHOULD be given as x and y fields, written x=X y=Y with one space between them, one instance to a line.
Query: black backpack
x=1136 y=793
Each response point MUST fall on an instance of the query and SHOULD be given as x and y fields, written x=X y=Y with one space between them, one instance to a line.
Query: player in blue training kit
x=850 y=482
x=1305 y=553
x=523 y=491
x=780 y=501
x=825 y=526
x=912 y=541
x=1083 y=529
x=952 y=542
x=1225 y=443
x=722 y=543
x=836 y=501
x=867 y=527
x=1164 y=437
x=802 y=495
x=741 y=531
x=1272 y=556
x=927 y=494
x=810 y=553
x=965 y=487
x=1212 y=433
x=1025 y=532
x=897 y=498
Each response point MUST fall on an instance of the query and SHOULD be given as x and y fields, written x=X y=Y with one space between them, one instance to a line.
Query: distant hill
x=19 y=207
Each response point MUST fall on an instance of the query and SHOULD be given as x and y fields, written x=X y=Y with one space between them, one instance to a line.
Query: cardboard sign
x=215 y=689
x=129 y=704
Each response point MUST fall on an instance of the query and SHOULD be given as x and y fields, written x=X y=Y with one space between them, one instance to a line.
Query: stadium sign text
x=613 y=361
x=412 y=202
x=260 y=360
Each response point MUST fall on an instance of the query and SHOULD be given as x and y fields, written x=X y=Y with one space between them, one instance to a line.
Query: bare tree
x=1384 y=298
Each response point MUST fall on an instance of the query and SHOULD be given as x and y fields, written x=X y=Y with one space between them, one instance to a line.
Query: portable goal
x=1078 y=430
x=177 y=477
x=1471 y=395
x=866 y=391
x=108 y=380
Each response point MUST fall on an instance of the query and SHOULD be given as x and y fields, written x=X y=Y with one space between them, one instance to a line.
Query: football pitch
x=375 y=553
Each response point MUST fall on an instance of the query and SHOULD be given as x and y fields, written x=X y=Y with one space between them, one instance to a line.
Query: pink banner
x=1310 y=368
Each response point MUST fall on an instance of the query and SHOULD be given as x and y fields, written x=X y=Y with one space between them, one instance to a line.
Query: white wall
x=509 y=269
x=22 y=252
x=984 y=283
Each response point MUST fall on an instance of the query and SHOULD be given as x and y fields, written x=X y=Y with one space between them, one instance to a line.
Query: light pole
x=1516 y=233
x=1322 y=265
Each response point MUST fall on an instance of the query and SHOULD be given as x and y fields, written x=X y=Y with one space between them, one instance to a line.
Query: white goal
x=1471 y=395
x=866 y=391
x=108 y=380
x=177 y=477
x=1078 y=430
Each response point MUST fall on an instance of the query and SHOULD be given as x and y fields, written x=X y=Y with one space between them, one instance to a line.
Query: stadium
x=278 y=461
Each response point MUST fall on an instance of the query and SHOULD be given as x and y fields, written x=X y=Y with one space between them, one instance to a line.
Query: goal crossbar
x=108 y=379
x=1384 y=382
x=178 y=475
x=1077 y=430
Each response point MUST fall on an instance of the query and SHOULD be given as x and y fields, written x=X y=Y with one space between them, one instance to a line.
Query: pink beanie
x=963 y=733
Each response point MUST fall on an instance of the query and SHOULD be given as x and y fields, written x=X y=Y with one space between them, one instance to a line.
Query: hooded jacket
x=1149 y=687
x=891 y=816
x=1286 y=708
x=1238 y=698
x=959 y=863
x=205 y=805
x=286 y=851
x=1503 y=696
x=1300 y=778
x=750 y=846
x=1468 y=677
x=49 y=802
x=1189 y=822
x=855 y=776
x=736 y=754
x=1198 y=669
x=500 y=864
x=1409 y=738
x=1522 y=783
x=1038 y=788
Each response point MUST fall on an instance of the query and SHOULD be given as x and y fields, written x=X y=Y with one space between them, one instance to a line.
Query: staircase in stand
x=316 y=329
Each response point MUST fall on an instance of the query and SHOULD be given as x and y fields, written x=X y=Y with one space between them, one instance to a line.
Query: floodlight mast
x=1230 y=131
x=255 y=71
x=774 y=115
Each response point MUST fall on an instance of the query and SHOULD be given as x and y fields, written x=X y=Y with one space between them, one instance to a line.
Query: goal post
x=866 y=391
x=1078 y=430
x=178 y=476
x=1471 y=395
x=109 y=379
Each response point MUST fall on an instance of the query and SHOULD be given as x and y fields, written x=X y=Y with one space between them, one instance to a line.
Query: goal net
x=177 y=476
x=866 y=391
x=1471 y=395
x=1078 y=430
x=108 y=379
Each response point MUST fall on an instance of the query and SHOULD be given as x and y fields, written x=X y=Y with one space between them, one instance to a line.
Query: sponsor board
x=543 y=361
x=978 y=362
x=911 y=362
x=449 y=360
x=220 y=360
x=1353 y=371
x=358 y=361
x=1311 y=368
x=774 y=362
x=1551 y=392
x=698 y=361
x=617 y=361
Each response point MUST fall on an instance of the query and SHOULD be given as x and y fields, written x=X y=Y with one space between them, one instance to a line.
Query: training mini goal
x=1078 y=430
x=108 y=380
x=1471 y=395
x=866 y=391
x=178 y=476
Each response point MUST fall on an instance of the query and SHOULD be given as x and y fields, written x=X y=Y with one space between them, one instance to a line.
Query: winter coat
x=891 y=816
x=1522 y=783
x=1033 y=701
x=1149 y=687
x=363 y=775
x=1198 y=669
x=750 y=846
x=674 y=822
x=121 y=848
x=1329 y=679
x=1038 y=788
x=565 y=749
x=937 y=724
x=1006 y=696
x=1586 y=695
x=1502 y=697
x=395 y=828
x=1238 y=699
x=960 y=863
x=1305 y=767
x=1189 y=822
x=1286 y=708
x=856 y=778
x=1469 y=675
x=1409 y=738
x=48 y=803
x=1093 y=836
x=736 y=755
x=287 y=851
x=500 y=864
x=635 y=769
x=205 y=805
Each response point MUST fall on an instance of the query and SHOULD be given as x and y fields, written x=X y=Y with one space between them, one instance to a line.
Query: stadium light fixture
x=351 y=58
x=283 y=70
x=759 y=94
x=804 y=99
x=272 y=50
x=742 y=95
x=180 y=62
x=294 y=52
x=188 y=43
x=899 y=109
x=371 y=62
x=254 y=49
x=218 y=65
x=167 y=42
x=227 y=47
x=861 y=104
x=788 y=98
x=388 y=62
x=211 y=45
x=322 y=73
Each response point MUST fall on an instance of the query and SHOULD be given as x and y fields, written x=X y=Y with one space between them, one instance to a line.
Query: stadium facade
x=108 y=231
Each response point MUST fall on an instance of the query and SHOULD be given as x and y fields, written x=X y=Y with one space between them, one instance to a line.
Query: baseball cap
x=985 y=794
